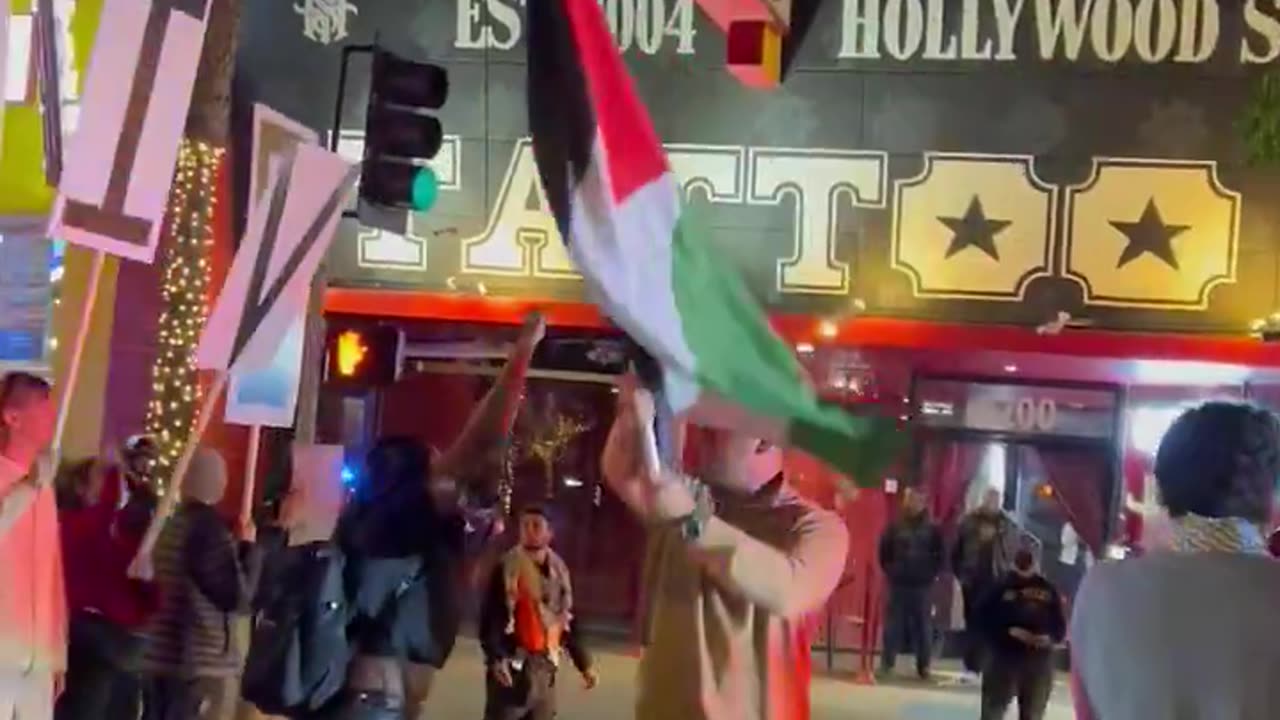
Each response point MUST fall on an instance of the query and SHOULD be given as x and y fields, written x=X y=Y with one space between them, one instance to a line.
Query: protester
x=526 y=621
x=33 y=612
x=103 y=520
x=404 y=537
x=1192 y=632
x=911 y=553
x=979 y=559
x=733 y=567
x=1023 y=620
x=191 y=660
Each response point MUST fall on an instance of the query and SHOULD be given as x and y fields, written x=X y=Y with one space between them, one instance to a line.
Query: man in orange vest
x=526 y=625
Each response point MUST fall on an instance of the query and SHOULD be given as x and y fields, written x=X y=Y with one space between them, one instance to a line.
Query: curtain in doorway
x=948 y=468
x=1078 y=479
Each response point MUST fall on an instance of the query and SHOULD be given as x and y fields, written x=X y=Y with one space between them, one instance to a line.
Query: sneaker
x=969 y=678
x=925 y=675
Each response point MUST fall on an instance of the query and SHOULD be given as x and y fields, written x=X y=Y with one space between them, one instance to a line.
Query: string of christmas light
x=175 y=383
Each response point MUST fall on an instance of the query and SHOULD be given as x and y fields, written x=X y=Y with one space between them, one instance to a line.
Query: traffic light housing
x=401 y=134
x=363 y=357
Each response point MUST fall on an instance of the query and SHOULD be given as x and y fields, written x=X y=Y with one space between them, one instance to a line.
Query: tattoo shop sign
x=1110 y=31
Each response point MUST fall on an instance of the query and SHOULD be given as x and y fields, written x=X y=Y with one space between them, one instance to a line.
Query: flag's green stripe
x=739 y=357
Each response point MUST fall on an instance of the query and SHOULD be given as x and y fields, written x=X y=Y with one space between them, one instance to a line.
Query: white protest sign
x=269 y=396
x=121 y=159
x=287 y=235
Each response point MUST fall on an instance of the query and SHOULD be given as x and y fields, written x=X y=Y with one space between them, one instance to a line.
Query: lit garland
x=175 y=383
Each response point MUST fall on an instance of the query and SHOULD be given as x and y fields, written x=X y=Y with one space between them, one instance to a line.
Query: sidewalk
x=458 y=692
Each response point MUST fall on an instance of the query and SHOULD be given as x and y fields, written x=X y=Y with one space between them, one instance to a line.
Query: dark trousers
x=907 y=626
x=531 y=697
x=1027 y=676
x=975 y=650
x=102 y=671
x=176 y=698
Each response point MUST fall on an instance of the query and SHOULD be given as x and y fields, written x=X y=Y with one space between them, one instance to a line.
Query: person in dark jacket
x=526 y=621
x=1023 y=619
x=980 y=558
x=102 y=515
x=191 y=663
x=404 y=537
x=911 y=556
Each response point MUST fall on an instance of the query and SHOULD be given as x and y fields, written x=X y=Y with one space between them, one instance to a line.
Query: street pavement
x=458 y=694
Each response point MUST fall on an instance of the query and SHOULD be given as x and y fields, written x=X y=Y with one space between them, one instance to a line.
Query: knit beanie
x=206 y=480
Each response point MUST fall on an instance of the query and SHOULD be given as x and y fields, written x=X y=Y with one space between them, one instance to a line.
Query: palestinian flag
x=617 y=205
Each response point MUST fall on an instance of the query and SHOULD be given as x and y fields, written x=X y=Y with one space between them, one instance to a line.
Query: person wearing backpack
x=190 y=661
x=398 y=546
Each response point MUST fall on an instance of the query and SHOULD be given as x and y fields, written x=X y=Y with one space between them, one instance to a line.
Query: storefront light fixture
x=805 y=348
x=828 y=329
x=1266 y=329
x=1011 y=368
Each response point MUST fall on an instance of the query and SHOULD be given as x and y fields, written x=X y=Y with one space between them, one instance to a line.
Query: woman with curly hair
x=1192 y=632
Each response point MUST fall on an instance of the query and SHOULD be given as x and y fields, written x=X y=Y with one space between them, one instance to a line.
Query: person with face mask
x=526 y=621
x=1023 y=620
x=735 y=561
x=910 y=554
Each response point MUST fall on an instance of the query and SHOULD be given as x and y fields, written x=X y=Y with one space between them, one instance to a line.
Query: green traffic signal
x=424 y=190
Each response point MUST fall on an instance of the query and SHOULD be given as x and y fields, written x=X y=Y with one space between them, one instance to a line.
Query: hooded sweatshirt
x=725 y=622
x=33 y=608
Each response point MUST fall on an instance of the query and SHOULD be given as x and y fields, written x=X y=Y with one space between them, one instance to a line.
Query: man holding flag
x=733 y=564
x=732 y=569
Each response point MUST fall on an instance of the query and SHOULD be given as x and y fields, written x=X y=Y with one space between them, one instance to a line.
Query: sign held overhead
x=288 y=233
x=115 y=187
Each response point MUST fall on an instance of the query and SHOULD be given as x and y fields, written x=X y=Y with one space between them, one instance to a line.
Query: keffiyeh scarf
x=1194 y=533
x=552 y=593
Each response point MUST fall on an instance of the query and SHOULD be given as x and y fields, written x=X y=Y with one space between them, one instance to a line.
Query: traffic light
x=364 y=357
x=400 y=135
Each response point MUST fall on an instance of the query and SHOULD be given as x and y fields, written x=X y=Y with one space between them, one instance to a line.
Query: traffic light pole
x=336 y=131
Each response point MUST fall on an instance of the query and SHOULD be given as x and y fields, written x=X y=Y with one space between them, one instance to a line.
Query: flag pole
x=142 y=567
x=67 y=384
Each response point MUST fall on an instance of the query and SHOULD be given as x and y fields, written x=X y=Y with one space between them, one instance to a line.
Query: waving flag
x=617 y=205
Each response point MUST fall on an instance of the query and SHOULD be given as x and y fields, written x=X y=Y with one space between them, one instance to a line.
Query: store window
x=30 y=274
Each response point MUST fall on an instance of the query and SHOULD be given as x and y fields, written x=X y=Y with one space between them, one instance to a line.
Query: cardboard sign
x=269 y=396
x=316 y=495
x=288 y=233
x=121 y=159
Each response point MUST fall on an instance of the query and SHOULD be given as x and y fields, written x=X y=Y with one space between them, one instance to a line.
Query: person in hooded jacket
x=911 y=556
x=404 y=537
x=191 y=661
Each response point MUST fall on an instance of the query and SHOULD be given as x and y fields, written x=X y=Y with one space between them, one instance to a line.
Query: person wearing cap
x=191 y=660
x=1023 y=620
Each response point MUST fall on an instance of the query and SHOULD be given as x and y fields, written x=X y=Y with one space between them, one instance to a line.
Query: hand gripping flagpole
x=649 y=372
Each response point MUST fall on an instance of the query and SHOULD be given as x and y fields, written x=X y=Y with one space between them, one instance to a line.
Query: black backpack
x=299 y=652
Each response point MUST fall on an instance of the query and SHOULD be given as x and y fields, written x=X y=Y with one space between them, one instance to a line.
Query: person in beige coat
x=735 y=562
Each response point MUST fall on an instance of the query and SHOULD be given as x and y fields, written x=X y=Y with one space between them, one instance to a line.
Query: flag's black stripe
x=560 y=116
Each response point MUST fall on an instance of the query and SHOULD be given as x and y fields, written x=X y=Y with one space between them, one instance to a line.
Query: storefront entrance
x=1050 y=450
